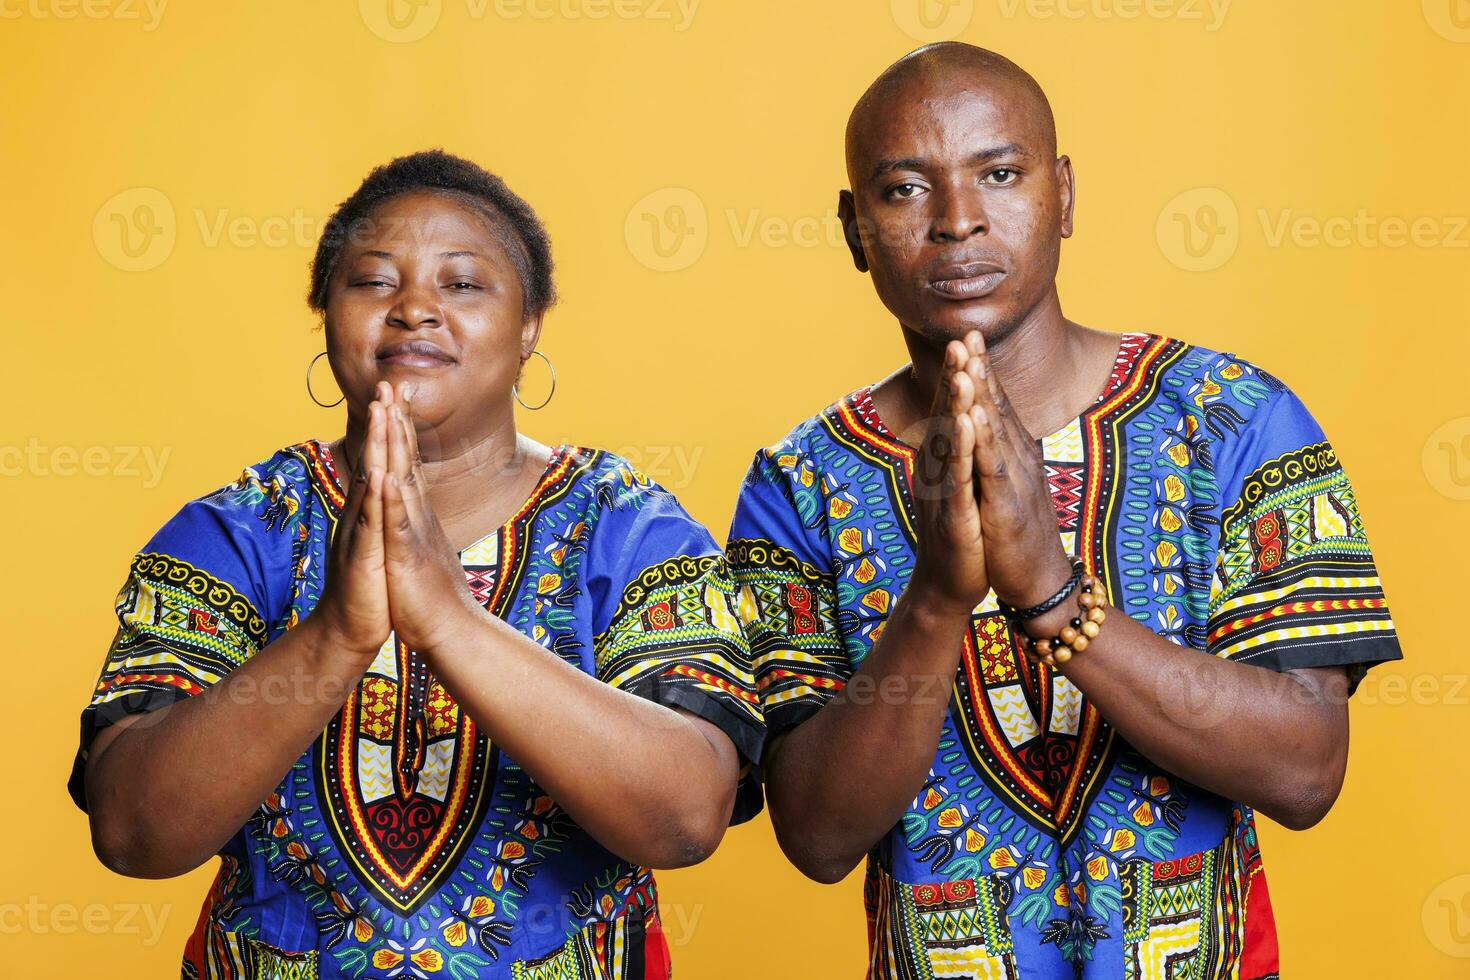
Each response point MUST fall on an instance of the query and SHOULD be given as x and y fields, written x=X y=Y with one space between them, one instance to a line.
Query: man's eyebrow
x=885 y=167
x=889 y=166
x=1008 y=150
x=380 y=254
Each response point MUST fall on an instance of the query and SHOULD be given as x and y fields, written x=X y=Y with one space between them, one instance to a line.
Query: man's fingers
x=961 y=394
x=961 y=463
x=955 y=355
x=990 y=455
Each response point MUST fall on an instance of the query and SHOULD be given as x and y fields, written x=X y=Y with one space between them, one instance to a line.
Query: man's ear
x=1067 y=192
x=851 y=230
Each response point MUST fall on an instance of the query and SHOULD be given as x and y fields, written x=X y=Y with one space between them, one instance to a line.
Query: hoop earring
x=515 y=389
x=311 y=393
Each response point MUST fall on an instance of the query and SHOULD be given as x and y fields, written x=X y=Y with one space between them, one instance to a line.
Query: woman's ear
x=530 y=335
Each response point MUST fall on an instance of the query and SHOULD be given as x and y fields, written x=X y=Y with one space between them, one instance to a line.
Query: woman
x=438 y=695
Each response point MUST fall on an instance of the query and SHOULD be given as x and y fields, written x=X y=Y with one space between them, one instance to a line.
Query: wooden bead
x=1087 y=600
x=1097 y=615
x=1068 y=635
x=1062 y=655
x=1090 y=630
x=1079 y=644
x=1042 y=648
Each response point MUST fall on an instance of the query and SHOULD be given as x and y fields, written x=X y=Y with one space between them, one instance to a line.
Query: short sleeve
x=665 y=620
x=1295 y=583
x=788 y=595
x=193 y=608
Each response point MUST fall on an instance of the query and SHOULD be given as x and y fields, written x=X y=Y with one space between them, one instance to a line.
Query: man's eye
x=1003 y=176
x=903 y=191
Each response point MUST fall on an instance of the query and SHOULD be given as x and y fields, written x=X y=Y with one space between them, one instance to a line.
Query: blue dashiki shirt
x=1206 y=499
x=403 y=843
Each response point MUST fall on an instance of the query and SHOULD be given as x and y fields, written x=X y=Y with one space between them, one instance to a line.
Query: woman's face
x=425 y=293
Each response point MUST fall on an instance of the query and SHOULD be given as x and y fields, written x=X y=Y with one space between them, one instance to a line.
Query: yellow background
x=266 y=114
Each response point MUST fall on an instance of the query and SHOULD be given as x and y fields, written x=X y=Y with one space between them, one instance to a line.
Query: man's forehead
x=964 y=118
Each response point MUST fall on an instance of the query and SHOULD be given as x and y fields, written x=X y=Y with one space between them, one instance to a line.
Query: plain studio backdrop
x=1285 y=181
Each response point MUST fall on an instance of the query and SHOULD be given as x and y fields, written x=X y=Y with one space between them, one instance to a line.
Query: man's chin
x=959 y=319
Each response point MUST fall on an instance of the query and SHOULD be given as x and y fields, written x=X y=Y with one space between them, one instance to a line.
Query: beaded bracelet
x=1075 y=636
x=1042 y=608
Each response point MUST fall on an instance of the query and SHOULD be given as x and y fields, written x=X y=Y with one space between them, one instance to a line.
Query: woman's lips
x=416 y=360
x=968 y=284
x=415 y=354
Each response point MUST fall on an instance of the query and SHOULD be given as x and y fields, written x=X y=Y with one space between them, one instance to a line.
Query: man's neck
x=1051 y=370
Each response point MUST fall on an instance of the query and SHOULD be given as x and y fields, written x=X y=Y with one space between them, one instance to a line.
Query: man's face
x=958 y=204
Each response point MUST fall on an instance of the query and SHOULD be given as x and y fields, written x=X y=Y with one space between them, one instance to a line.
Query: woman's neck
x=475 y=482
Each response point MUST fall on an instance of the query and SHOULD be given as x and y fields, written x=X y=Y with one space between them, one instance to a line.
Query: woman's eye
x=374 y=282
x=462 y=284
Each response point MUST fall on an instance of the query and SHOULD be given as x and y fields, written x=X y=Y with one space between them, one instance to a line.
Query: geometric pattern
x=402 y=842
x=1204 y=499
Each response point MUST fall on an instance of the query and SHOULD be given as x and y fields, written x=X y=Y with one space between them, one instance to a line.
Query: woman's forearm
x=653 y=785
x=166 y=790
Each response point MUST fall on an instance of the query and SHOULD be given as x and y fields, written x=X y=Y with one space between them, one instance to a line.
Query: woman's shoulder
x=266 y=500
x=614 y=481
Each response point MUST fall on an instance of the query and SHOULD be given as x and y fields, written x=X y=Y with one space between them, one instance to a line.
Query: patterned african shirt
x=404 y=843
x=1206 y=499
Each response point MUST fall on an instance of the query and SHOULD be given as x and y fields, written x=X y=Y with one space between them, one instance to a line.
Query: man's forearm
x=1277 y=741
x=840 y=781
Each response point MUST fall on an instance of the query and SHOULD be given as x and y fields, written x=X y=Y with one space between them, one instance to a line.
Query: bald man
x=1041 y=618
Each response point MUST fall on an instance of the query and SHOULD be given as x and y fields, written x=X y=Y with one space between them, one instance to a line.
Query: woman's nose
x=416 y=306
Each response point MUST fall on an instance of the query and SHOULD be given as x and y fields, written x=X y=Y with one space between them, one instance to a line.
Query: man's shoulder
x=1215 y=386
x=817 y=435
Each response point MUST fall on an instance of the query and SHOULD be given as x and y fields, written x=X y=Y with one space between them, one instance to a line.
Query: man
x=1083 y=807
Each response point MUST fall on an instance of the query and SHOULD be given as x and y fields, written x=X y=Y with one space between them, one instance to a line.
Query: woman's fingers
x=397 y=529
x=411 y=429
x=402 y=466
x=367 y=541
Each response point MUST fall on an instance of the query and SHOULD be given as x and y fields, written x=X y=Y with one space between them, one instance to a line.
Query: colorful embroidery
x=403 y=840
x=1202 y=495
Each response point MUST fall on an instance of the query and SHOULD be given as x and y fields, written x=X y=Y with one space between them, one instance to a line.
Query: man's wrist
x=933 y=605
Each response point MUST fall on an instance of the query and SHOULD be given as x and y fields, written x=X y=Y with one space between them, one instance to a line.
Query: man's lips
x=966 y=280
x=415 y=353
